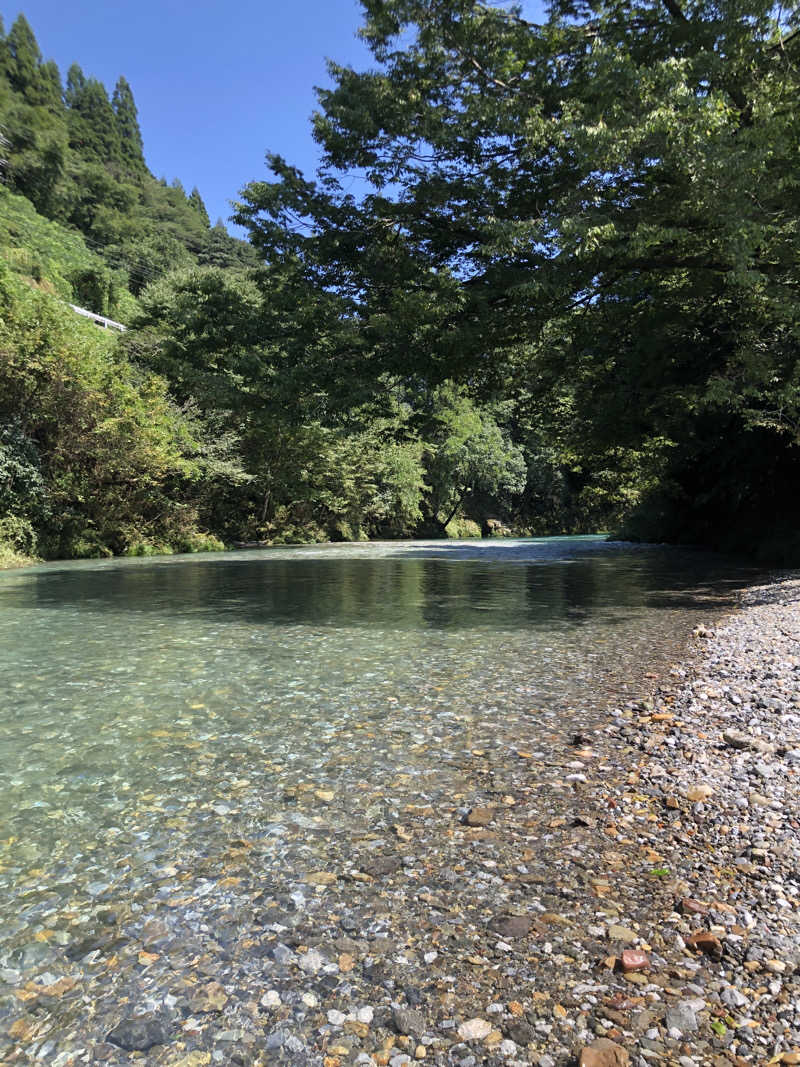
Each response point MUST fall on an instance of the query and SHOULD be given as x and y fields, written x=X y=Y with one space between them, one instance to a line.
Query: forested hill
x=77 y=155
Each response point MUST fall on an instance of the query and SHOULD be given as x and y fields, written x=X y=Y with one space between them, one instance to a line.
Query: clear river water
x=154 y=709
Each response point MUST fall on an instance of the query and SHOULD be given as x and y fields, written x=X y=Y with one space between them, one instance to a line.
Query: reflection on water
x=152 y=705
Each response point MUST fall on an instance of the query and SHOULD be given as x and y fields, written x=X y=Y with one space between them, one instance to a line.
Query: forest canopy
x=596 y=217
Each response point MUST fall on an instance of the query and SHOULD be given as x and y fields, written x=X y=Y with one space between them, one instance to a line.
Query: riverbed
x=236 y=790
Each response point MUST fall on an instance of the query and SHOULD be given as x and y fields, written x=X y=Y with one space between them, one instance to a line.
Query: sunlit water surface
x=150 y=707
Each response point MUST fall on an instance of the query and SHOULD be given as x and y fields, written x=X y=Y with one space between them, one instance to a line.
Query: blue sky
x=216 y=85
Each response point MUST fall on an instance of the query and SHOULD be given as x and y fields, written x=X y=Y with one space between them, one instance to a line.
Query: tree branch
x=675 y=10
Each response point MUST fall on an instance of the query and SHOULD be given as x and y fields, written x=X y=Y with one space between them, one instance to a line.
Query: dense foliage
x=566 y=296
x=94 y=456
x=596 y=217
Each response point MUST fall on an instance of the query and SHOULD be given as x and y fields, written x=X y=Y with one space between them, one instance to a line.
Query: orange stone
x=604 y=1053
x=693 y=907
x=704 y=941
x=631 y=960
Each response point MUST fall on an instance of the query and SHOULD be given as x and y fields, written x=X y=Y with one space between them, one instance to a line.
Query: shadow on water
x=441 y=585
x=135 y=690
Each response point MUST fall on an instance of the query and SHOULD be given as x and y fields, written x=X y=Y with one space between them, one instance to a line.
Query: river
x=154 y=710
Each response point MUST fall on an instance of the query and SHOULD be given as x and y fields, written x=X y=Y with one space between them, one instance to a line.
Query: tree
x=93 y=131
x=93 y=455
x=51 y=88
x=76 y=83
x=571 y=207
x=24 y=61
x=127 y=124
x=468 y=454
x=219 y=249
x=196 y=202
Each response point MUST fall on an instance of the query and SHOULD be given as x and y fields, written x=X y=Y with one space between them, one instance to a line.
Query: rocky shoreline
x=627 y=895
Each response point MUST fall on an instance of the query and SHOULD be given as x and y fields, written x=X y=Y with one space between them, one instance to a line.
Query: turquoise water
x=151 y=709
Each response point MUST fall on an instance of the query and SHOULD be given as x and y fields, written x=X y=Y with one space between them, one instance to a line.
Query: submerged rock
x=474 y=1030
x=479 y=816
x=139 y=1033
x=512 y=925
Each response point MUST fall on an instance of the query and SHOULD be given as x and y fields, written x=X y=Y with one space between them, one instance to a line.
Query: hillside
x=59 y=260
x=76 y=154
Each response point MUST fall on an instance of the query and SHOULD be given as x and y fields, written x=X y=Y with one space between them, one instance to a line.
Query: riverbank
x=629 y=876
x=652 y=915
x=11 y=560
x=699 y=876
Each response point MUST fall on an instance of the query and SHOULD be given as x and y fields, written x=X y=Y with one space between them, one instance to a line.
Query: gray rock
x=737 y=739
x=277 y=1039
x=139 y=1034
x=681 y=1016
x=733 y=998
x=512 y=925
x=410 y=1022
x=381 y=866
x=520 y=1032
x=282 y=954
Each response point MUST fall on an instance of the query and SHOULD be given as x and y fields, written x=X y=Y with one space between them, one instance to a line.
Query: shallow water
x=151 y=709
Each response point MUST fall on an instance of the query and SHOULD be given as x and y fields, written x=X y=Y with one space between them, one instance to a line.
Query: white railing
x=99 y=320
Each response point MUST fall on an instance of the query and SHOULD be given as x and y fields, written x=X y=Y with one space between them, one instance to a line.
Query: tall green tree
x=93 y=131
x=24 y=60
x=601 y=207
x=196 y=202
x=76 y=83
x=127 y=124
x=32 y=119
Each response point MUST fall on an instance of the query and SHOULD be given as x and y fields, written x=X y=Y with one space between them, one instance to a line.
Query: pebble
x=139 y=1034
x=604 y=1053
x=479 y=817
x=408 y=1021
x=622 y=933
x=733 y=998
x=312 y=962
x=474 y=1030
x=681 y=1017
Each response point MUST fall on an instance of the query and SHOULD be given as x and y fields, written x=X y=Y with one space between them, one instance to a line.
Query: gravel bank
x=632 y=887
